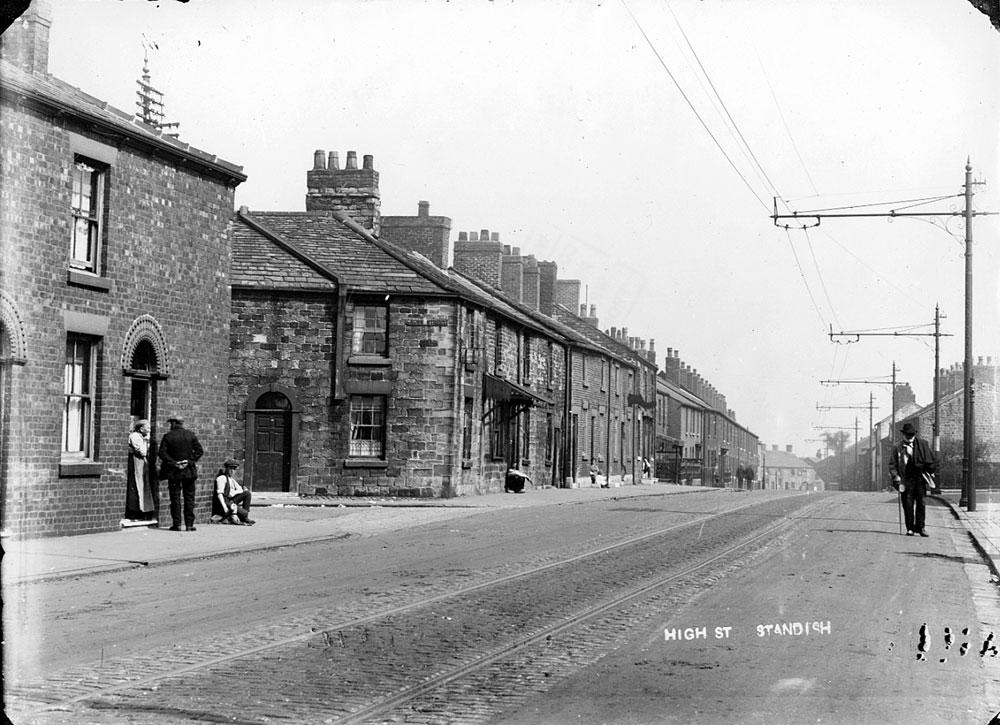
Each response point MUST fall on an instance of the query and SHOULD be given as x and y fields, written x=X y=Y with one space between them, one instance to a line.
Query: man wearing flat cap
x=911 y=465
x=232 y=498
x=179 y=452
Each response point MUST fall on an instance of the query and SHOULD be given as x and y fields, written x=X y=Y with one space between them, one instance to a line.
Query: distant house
x=784 y=471
x=114 y=298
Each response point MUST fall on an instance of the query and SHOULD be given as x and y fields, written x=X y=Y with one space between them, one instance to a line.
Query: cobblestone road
x=458 y=648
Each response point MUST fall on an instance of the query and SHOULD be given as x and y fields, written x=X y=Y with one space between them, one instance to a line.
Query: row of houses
x=334 y=350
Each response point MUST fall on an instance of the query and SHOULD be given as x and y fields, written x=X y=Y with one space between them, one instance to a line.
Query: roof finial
x=150 y=101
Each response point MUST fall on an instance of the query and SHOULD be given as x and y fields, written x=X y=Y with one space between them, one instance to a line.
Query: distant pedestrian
x=233 y=499
x=911 y=459
x=179 y=453
x=645 y=467
x=595 y=471
x=139 y=501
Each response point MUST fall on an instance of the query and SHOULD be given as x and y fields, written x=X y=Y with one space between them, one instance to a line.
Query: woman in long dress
x=139 y=499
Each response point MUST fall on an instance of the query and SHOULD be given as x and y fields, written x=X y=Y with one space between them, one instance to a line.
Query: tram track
x=102 y=693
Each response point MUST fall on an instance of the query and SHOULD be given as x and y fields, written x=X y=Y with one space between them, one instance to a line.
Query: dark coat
x=924 y=461
x=177 y=445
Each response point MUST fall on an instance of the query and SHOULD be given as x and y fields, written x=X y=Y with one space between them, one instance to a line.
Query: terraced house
x=360 y=366
x=114 y=305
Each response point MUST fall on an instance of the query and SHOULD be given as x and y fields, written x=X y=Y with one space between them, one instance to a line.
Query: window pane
x=369 y=334
x=367 y=426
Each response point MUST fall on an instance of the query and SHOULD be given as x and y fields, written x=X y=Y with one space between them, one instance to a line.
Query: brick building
x=113 y=292
x=698 y=439
x=951 y=422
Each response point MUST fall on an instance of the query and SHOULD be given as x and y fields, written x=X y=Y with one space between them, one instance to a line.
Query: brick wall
x=479 y=258
x=423 y=233
x=165 y=255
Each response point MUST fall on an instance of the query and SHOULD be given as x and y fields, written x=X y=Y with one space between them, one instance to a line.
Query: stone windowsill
x=80 y=468
x=365 y=463
x=86 y=279
x=376 y=360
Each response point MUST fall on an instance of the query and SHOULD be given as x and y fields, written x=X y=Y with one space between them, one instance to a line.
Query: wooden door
x=272 y=452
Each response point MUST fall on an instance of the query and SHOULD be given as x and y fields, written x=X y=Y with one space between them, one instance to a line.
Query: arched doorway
x=272 y=439
x=144 y=365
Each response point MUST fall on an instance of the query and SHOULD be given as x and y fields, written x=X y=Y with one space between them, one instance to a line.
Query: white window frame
x=79 y=391
x=368 y=415
x=87 y=214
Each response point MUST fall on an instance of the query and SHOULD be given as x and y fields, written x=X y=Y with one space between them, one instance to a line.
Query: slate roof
x=275 y=250
x=61 y=96
x=783 y=459
x=596 y=338
x=678 y=392
x=527 y=316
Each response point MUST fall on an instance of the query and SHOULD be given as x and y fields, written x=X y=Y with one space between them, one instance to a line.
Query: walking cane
x=899 y=510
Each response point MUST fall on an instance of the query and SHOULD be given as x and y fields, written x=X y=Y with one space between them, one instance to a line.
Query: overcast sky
x=590 y=133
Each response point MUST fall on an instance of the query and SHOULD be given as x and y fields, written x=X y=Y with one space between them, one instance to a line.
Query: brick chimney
x=568 y=294
x=423 y=233
x=531 y=279
x=548 y=272
x=672 y=366
x=788 y=449
x=350 y=191
x=512 y=273
x=479 y=258
x=26 y=42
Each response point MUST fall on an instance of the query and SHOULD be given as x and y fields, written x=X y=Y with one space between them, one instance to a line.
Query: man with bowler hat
x=911 y=459
x=179 y=452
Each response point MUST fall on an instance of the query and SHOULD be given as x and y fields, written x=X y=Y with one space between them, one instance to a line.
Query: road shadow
x=861 y=531
x=934 y=555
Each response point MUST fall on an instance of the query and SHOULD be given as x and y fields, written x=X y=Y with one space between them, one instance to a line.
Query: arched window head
x=273 y=401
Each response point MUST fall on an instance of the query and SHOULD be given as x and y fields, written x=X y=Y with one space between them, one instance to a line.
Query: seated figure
x=231 y=500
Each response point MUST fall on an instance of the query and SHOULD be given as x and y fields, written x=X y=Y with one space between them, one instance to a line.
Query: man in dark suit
x=179 y=451
x=911 y=459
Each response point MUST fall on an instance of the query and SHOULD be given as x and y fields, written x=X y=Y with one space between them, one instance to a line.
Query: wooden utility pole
x=968 y=465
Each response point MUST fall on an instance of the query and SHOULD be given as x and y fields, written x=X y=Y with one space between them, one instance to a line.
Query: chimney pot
x=334 y=163
x=788 y=449
x=473 y=236
x=423 y=208
x=352 y=160
x=516 y=251
x=369 y=162
x=506 y=250
x=593 y=310
x=463 y=236
x=319 y=160
x=583 y=309
x=485 y=234
x=495 y=237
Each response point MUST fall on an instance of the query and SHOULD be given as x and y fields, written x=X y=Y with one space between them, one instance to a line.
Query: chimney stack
x=26 y=42
x=479 y=258
x=352 y=192
x=428 y=235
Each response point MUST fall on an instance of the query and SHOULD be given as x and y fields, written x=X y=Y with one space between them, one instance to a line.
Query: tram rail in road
x=451 y=664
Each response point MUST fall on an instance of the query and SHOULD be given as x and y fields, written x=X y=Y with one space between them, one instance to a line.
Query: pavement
x=983 y=524
x=281 y=520
x=289 y=520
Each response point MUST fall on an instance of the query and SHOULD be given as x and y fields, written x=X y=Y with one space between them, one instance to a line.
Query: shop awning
x=500 y=390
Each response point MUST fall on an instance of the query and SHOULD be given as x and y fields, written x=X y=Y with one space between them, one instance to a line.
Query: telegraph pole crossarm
x=969 y=428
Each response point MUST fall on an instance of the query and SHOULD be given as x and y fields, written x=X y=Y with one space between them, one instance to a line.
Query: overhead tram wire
x=784 y=123
x=687 y=100
x=919 y=202
x=804 y=280
x=732 y=121
x=820 y=275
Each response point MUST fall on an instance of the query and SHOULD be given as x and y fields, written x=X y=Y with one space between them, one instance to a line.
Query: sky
x=639 y=145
